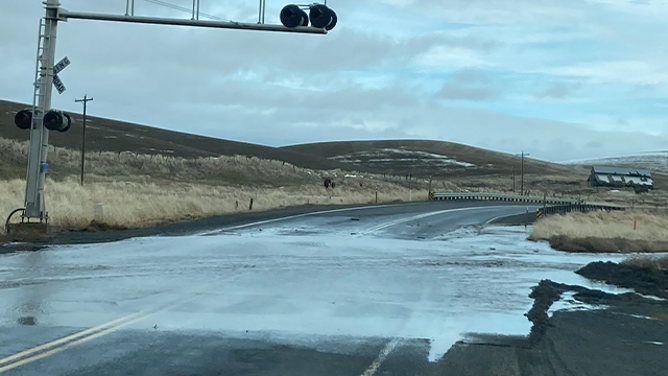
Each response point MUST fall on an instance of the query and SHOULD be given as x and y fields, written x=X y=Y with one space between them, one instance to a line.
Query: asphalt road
x=370 y=291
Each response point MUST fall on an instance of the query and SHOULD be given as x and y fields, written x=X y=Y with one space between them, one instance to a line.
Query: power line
x=184 y=9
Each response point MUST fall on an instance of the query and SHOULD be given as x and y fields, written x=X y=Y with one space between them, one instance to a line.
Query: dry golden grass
x=144 y=204
x=603 y=225
x=604 y=232
x=140 y=190
x=144 y=190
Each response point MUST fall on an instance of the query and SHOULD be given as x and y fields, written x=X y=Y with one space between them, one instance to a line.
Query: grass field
x=604 y=232
x=140 y=189
x=143 y=190
x=130 y=204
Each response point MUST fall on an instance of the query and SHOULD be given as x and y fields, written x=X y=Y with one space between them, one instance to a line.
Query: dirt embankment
x=648 y=281
x=606 y=245
x=624 y=334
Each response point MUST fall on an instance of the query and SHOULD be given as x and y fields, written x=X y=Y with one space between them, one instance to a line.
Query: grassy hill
x=466 y=166
x=420 y=158
x=425 y=158
x=117 y=136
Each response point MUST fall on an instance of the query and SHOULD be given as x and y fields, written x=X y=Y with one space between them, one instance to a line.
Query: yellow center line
x=72 y=344
x=66 y=339
x=86 y=335
x=373 y=368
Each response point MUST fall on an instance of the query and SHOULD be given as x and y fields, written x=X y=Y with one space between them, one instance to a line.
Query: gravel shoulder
x=96 y=234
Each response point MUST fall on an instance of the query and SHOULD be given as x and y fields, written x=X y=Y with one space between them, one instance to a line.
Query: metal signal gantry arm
x=65 y=15
x=40 y=119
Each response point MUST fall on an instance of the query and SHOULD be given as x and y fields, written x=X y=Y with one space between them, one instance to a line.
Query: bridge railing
x=486 y=196
x=553 y=205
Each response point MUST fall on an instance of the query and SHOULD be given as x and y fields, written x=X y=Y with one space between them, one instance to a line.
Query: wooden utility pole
x=522 y=184
x=85 y=101
x=522 y=172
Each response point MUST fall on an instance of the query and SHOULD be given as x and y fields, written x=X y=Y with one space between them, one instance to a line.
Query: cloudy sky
x=559 y=79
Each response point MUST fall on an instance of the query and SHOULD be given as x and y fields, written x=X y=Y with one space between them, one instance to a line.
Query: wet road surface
x=371 y=291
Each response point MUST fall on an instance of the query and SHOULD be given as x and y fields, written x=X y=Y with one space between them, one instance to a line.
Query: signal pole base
x=29 y=231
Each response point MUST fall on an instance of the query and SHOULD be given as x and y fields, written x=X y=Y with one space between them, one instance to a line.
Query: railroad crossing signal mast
x=41 y=118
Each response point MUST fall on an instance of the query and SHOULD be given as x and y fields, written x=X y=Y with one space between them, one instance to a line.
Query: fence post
x=250 y=206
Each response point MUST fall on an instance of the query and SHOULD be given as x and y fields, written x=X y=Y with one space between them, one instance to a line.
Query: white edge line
x=502 y=216
x=385 y=225
x=252 y=224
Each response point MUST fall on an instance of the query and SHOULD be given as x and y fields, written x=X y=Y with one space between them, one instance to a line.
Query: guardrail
x=483 y=196
x=552 y=205
x=580 y=208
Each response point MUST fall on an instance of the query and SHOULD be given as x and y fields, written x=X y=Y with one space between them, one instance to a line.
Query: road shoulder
x=624 y=335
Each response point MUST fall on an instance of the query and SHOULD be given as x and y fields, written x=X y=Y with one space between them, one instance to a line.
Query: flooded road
x=381 y=291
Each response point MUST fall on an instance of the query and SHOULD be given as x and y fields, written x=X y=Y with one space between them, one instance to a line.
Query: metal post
x=197 y=14
x=127 y=7
x=260 y=18
x=194 y=9
x=83 y=142
x=132 y=8
x=264 y=9
x=85 y=101
x=514 y=178
x=39 y=135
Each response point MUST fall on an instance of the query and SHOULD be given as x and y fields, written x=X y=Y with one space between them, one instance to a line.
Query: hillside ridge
x=398 y=157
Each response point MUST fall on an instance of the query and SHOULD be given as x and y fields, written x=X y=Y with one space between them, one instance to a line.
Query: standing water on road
x=291 y=286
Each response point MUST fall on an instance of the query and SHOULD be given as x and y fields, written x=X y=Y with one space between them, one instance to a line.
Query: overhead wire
x=185 y=9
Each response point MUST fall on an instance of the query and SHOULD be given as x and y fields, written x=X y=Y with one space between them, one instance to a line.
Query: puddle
x=27 y=321
x=569 y=303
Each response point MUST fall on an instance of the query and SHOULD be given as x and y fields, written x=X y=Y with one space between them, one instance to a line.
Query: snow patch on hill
x=404 y=157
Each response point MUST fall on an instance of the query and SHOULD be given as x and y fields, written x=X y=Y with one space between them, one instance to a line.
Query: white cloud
x=450 y=57
x=377 y=75
x=627 y=72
